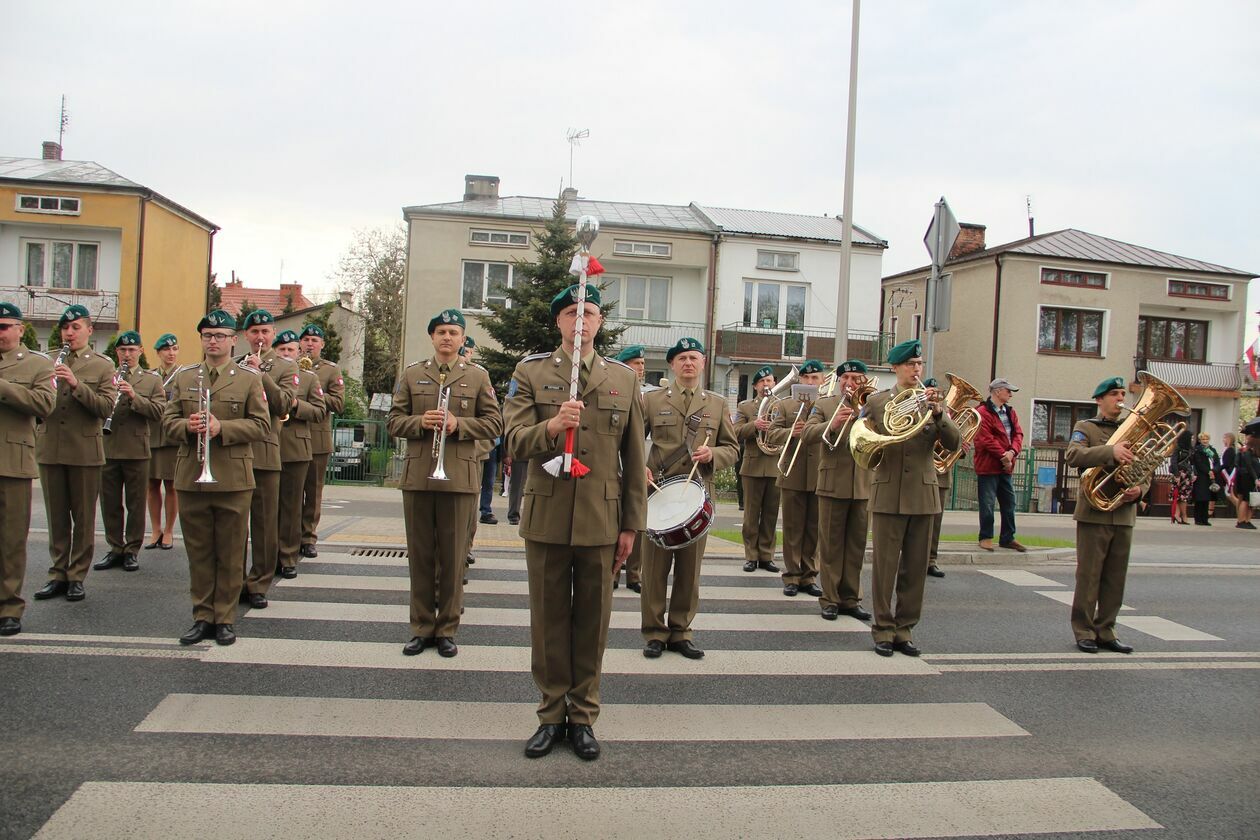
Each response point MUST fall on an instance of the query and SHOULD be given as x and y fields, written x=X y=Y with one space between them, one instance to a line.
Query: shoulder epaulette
x=39 y=353
x=535 y=357
x=183 y=368
x=413 y=364
x=254 y=371
x=623 y=364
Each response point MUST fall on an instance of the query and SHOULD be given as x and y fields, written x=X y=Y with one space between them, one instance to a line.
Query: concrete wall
x=175 y=269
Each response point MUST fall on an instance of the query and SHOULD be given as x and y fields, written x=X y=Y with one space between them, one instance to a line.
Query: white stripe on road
x=724 y=568
x=1064 y=596
x=368 y=812
x=1095 y=664
x=462 y=721
x=1162 y=628
x=1075 y=654
x=1018 y=577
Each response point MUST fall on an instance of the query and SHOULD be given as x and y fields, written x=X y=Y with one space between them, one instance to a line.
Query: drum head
x=674 y=504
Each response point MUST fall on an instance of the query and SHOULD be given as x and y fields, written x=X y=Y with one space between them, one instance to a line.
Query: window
x=484 y=283
x=499 y=237
x=917 y=320
x=60 y=205
x=1187 y=288
x=777 y=260
x=775 y=306
x=1053 y=421
x=639 y=298
x=1075 y=331
x=628 y=248
x=1172 y=339
x=60 y=264
x=1063 y=277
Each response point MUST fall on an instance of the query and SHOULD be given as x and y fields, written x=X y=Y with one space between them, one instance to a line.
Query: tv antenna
x=576 y=137
x=1028 y=207
x=65 y=121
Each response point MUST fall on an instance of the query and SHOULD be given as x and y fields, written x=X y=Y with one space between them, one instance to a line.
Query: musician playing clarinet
x=578 y=531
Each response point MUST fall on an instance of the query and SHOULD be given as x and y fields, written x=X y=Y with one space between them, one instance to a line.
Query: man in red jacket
x=997 y=446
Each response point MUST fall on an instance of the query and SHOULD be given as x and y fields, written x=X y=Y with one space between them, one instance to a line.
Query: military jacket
x=667 y=424
x=237 y=400
x=905 y=479
x=309 y=409
x=158 y=437
x=72 y=433
x=839 y=476
x=280 y=384
x=1089 y=448
x=592 y=510
x=472 y=401
x=26 y=395
x=334 y=387
x=129 y=432
x=804 y=475
x=756 y=463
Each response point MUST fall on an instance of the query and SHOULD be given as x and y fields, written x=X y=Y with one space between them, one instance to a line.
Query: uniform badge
x=1079 y=437
x=553 y=387
x=295 y=380
x=513 y=387
x=340 y=381
x=490 y=391
x=612 y=392
x=319 y=391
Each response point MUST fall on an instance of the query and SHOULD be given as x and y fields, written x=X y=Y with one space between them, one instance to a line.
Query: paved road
x=313 y=724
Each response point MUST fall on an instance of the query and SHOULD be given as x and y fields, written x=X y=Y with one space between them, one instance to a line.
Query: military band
x=311 y=341
x=798 y=489
x=307 y=409
x=632 y=357
x=758 y=474
x=163 y=503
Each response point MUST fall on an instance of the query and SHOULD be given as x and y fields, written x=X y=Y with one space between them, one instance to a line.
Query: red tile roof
x=273 y=300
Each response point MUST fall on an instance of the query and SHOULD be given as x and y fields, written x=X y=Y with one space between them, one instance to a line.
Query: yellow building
x=76 y=232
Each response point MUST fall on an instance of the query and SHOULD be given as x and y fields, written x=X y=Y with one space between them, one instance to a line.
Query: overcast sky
x=291 y=125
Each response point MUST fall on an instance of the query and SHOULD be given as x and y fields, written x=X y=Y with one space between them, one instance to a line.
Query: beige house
x=1059 y=312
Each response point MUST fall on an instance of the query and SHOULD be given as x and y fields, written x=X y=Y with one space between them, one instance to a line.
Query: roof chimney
x=346 y=299
x=970 y=241
x=52 y=150
x=481 y=187
x=568 y=194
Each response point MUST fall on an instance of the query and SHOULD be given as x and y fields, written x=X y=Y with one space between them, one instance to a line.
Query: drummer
x=691 y=434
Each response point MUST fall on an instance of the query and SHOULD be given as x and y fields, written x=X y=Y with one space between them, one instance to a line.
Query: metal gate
x=362 y=452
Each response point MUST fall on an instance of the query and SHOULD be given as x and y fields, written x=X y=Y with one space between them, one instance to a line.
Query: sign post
x=939 y=240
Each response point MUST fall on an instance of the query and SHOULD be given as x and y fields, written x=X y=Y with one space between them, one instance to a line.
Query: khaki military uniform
x=70 y=453
x=333 y=385
x=944 y=481
x=799 y=500
x=484 y=448
x=162 y=448
x=571 y=527
x=905 y=495
x=295 y=461
x=280 y=384
x=843 y=491
x=668 y=411
x=26 y=396
x=214 y=517
x=125 y=476
x=758 y=474
x=634 y=563
x=1103 y=539
x=435 y=513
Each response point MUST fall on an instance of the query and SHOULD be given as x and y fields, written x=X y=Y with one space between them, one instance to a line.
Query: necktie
x=689 y=395
x=583 y=376
x=443 y=370
x=214 y=375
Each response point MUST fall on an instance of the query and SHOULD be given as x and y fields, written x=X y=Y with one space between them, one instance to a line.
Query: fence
x=363 y=453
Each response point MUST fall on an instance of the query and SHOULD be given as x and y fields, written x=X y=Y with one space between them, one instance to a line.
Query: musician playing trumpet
x=758 y=473
x=798 y=485
x=442 y=406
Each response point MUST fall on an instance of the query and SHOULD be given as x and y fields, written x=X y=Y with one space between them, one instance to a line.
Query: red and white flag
x=1253 y=359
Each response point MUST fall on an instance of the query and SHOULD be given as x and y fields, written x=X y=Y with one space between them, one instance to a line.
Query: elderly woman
x=1207 y=466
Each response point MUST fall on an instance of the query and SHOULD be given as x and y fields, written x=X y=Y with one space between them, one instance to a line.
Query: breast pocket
x=227 y=408
x=613 y=414
x=424 y=397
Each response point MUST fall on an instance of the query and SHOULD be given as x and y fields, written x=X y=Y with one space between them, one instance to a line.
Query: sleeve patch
x=1078 y=437
x=513 y=386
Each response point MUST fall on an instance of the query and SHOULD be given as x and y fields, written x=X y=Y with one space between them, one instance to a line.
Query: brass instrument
x=439 y=437
x=766 y=408
x=967 y=419
x=305 y=362
x=904 y=416
x=60 y=360
x=854 y=398
x=261 y=367
x=203 y=438
x=119 y=375
x=806 y=395
x=1149 y=437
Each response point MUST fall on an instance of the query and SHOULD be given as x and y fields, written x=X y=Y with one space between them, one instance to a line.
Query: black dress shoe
x=935 y=571
x=583 y=740
x=471 y=561
x=884 y=648
x=687 y=649
x=812 y=589
x=544 y=739
x=109 y=561
x=489 y=519
x=287 y=572
x=907 y=647
x=1115 y=645
x=166 y=546
x=75 y=591
x=10 y=626
x=653 y=649
x=791 y=589
x=750 y=566
x=446 y=646
x=831 y=612
x=257 y=600
x=199 y=631
x=51 y=590
x=224 y=634
x=616 y=582
x=635 y=587
x=857 y=612
x=1087 y=646
x=416 y=645
x=308 y=551
x=130 y=563
x=155 y=544
x=514 y=520
x=769 y=566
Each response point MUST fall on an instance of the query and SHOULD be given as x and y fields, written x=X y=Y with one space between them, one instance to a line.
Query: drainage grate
x=378 y=552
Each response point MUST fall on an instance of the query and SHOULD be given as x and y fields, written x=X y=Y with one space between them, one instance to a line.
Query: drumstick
x=695 y=466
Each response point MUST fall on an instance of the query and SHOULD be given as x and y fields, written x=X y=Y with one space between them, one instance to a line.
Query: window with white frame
x=631 y=248
x=771 y=305
x=1077 y=332
x=778 y=260
x=1196 y=289
x=509 y=238
x=638 y=298
x=484 y=283
x=60 y=264
x=60 y=205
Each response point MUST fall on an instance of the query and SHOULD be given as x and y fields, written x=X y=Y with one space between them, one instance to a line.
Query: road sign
x=941 y=233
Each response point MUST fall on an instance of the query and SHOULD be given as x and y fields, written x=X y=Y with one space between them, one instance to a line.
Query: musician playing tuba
x=757 y=474
x=798 y=486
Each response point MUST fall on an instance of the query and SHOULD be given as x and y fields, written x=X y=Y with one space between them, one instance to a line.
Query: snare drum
x=679 y=513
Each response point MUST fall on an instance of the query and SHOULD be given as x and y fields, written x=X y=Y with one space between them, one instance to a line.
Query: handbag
x=1214 y=487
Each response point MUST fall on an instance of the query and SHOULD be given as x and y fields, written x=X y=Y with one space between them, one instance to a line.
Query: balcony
x=40 y=304
x=745 y=343
x=655 y=335
x=1205 y=379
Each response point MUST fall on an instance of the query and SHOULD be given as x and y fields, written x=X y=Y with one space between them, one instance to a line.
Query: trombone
x=439 y=437
x=854 y=398
x=203 y=437
x=805 y=395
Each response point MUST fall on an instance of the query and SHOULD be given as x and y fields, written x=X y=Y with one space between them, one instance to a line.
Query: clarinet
x=123 y=372
x=61 y=359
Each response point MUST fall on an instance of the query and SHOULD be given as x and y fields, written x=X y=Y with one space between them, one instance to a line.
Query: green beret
x=166 y=340
x=930 y=382
x=468 y=341
x=217 y=318
x=1109 y=384
x=683 y=345
x=73 y=313
x=569 y=297
x=762 y=373
x=905 y=351
x=285 y=337
x=812 y=366
x=634 y=351
x=8 y=310
x=853 y=366
x=312 y=329
x=447 y=316
x=130 y=338
x=258 y=316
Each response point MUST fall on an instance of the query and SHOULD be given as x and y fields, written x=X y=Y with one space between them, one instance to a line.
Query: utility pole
x=846 y=216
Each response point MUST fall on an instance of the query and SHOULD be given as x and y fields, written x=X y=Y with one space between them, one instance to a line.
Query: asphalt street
x=314 y=724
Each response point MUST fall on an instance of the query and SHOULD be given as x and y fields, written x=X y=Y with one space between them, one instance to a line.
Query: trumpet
x=766 y=407
x=60 y=360
x=805 y=395
x=203 y=437
x=122 y=373
x=257 y=353
x=439 y=438
x=854 y=398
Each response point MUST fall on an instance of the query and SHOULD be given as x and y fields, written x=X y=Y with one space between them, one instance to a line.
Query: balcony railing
x=656 y=335
x=1209 y=376
x=742 y=342
x=40 y=304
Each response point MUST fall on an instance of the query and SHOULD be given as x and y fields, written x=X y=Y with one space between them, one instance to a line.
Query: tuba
x=960 y=393
x=1150 y=438
x=766 y=408
x=904 y=416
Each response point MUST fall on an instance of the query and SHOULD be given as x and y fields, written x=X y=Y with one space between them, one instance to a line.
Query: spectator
x=997 y=442
x=1207 y=466
x=1247 y=477
x=1229 y=467
x=1182 y=489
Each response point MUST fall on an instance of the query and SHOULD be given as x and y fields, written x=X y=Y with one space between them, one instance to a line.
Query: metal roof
x=788 y=225
x=671 y=217
x=63 y=172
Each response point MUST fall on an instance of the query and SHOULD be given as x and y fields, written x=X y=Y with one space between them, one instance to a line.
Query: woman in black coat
x=1206 y=466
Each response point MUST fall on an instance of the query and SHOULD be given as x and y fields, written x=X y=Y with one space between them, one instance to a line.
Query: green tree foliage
x=322 y=317
x=374 y=269
x=54 y=341
x=289 y=307
x=214 y=294
x=247 y=306
x=29 y=336
x=355 y=405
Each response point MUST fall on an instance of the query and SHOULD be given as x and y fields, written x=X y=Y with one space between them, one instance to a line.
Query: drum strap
x=689 y=441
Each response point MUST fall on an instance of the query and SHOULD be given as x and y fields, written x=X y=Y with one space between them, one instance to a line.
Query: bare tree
x=374 y=268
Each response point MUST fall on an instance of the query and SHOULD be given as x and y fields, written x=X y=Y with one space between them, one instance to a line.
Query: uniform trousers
x=124 y=489
x=761 y=516
x=936 y=525
x=214 y=527
x=570 y=601
x=15 y=522
x=437 y=545
x=684 y=596
x=264 y=515
x=800 y=536
x=70 y=495
x=900 y=565
x=1102 y=562
x=841 y=547
x=634 y=563
x=289 y=532
x=312 y=497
